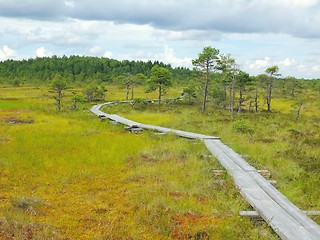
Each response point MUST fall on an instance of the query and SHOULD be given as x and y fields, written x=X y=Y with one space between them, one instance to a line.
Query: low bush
x=242 y=126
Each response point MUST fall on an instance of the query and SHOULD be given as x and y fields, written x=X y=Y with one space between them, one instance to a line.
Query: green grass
x=288 y=148
x=66 y=175
x=63 y=161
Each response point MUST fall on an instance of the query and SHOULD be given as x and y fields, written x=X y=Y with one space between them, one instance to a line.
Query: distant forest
x=225 y=86
x=80 y=69
x=87 y=70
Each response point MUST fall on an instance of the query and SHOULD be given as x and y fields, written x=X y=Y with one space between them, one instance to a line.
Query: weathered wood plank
x=219 y=172
x=281 y=216
x=265 y=173
x=255 y=214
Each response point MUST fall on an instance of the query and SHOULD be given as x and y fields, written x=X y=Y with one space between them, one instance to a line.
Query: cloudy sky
x=257 y=33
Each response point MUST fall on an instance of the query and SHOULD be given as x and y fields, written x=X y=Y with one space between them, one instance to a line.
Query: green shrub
x=242 y=126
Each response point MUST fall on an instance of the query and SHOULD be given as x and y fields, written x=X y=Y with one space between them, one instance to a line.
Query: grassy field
x=275 y=141
x=66 y=175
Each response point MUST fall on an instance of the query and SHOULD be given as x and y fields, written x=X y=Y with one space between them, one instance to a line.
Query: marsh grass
x=31 y=205
x=13 y=228
x=273 y=141
x=176 y=196
x=86 y=179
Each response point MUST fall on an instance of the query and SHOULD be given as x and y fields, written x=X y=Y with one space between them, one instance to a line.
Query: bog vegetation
x=64 y=174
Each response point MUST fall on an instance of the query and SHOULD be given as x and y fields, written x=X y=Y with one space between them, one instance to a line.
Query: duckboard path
x=286 y=219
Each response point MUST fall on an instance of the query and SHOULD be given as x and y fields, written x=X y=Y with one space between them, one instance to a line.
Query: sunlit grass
x=70 y=163
x=69 y=175
x=81 y=178
x=286 y=147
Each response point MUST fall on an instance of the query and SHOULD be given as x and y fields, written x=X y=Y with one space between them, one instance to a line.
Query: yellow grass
x=69 y=176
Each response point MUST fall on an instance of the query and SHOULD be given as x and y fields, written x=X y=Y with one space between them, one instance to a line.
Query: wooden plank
x=160 y=133
x=265 y=173
x=277 y=216
x=255 y=214
x=134 y=129
x=273 y=182
x=295 y=212
x=312 y=213
x=251 y=214
x=291 y=209
x=217 y=173
x=113 y=122
x=103 y=118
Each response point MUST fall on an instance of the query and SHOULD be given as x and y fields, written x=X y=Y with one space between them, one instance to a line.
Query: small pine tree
x=58 y=85
x=160 y=79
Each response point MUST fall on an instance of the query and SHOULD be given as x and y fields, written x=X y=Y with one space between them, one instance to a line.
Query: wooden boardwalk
x=287 y=220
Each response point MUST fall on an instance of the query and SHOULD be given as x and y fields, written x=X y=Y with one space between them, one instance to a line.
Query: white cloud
x=69 y=4
x=66 y=33
x=294 y=17
x=96 y=50
x=188 y=35
x=171 y=32
x=268 y=62
x=168 y=56
x=107 y=54
x=260 y=63
x=287 y=62
x=299 y=3
x=302 y=67
x=287 y=67
x=316 y=68
x=41 y=52
x=7 y=53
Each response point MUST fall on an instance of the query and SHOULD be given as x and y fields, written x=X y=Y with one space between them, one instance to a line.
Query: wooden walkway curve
x=287 y=220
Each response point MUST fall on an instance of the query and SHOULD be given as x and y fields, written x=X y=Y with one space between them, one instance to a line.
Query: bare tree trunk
x=225 y=105
x=59 y=99
x=256 y=100
x=269 y=92
x=232 y=96
x=127 y=91
x=206 y=89
x=132 y=92
x=160 y=93
x=240 y=99
x=299 y=110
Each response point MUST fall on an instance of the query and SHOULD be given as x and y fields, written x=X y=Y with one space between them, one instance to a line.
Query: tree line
x=79 y=69
x=216 y=79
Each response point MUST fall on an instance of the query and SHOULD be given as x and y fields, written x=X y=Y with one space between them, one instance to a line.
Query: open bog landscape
x=67 y=175
x=134 y=120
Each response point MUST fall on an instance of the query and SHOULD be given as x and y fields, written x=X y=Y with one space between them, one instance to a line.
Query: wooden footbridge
x=287 y=220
